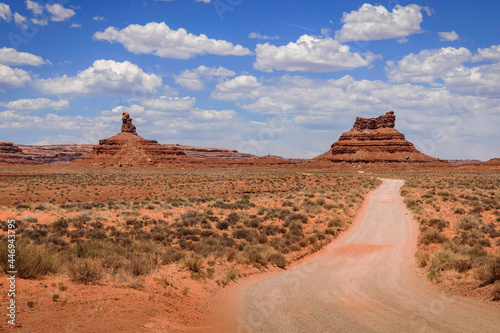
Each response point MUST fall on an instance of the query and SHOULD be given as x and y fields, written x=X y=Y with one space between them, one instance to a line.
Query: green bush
x=232 y=274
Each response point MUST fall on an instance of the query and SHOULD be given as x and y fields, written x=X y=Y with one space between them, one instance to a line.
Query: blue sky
x=265 y=77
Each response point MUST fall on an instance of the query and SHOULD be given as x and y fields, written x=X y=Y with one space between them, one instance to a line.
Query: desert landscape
x=136 y=236
x=224 y=166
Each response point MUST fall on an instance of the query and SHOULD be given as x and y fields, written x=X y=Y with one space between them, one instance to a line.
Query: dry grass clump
x=31 y=261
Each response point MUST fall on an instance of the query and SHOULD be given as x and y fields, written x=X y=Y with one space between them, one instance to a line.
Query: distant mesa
x=12 y=154
x=375 y=140
x=56 y=153
x=127 y=148
x=492 y=162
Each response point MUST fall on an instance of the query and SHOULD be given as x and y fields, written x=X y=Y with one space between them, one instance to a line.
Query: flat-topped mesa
x=386 y=121
x=374 y=140
x=127 y=126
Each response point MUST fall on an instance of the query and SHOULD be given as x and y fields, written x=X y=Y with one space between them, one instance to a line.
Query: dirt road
x=365 y=281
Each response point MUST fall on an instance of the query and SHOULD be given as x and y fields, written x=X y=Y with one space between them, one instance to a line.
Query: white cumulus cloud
x=35 y=7
x=490 y=53
x=376 y=22
x=310 y=54
x=194 y=79
x=59 y=13
x=12 y=77
x=11 y=57
x=104 y=77
x=169 y=103
x=480 y=81
x=37 y=104
x=243 y=86
x=427 y=65
x=159 y=39
x=448 y=36
x=20 y=21
x=5 y=13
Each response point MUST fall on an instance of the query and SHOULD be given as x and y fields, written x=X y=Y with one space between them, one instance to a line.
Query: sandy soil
x=365 y=281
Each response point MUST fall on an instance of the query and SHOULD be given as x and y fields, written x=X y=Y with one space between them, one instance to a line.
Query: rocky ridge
x=56 y=153
x=12 y=154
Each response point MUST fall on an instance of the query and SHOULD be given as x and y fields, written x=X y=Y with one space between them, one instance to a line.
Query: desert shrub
x=432 y=235
x=29 y=219
x=192 y=218
x=171 y=255
x=442 y=260
x=222 y=225
x=193 y=262
x=491 y=230
x=252 y=223
x=256 y=254
x=96 y=249
x=491 y=272
x=60 y=224
x=57 y=240
x=263 y=239
x=142 y=264
x=278 y=260
x=32 y=261
x=496 y=291
x=81 y=219
x=434 y=275
x=472 y=237
x=241 y=233
x=459 y=211
x=423 y=258
x=336 y=222
x=38 y=235
x=439 y=224
x=295 y=217
x=85 y=270
x=232 y=274
x=210 y=271
x=468 y=222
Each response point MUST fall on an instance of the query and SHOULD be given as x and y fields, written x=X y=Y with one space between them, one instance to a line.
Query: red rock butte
x=127 y=148
x=375 y=140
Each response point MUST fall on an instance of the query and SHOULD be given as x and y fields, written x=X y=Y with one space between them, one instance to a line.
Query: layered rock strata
x=12 y=154
x=127 y=148
x=375 y=140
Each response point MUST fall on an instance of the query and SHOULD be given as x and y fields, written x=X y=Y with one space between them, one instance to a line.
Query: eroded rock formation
x=12 y=154
x=375 y=140
x=127 y=148
x=127 y=126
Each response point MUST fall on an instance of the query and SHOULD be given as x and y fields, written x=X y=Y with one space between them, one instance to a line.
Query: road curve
x=365 y=281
